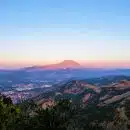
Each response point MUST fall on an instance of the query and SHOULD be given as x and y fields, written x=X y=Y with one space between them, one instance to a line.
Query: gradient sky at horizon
x=96 y=33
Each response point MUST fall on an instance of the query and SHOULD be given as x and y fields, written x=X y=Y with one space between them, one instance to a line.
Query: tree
x=8 y=114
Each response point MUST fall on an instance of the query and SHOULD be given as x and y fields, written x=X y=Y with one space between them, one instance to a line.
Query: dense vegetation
x=65 y=115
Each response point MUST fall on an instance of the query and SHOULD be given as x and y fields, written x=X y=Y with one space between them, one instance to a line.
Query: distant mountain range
x=68 y=69
x=62 y=65
x=72 y=69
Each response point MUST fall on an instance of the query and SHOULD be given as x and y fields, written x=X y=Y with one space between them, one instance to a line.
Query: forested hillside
x=75 y=105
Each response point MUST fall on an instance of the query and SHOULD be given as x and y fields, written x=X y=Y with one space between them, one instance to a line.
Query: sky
x=37 y=32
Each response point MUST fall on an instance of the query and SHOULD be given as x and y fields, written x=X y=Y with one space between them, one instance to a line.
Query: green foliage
x=9 y=114
x=65 y=115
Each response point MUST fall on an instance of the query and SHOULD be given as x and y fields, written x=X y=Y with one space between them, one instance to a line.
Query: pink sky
x=96 y=34
x=89 y=64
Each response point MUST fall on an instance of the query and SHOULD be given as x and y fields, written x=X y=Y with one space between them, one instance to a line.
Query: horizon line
x=83 y=63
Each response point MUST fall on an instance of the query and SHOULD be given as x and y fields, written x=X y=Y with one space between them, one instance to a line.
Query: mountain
x=75 y=105
x=62 y=65
x=80 y=91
